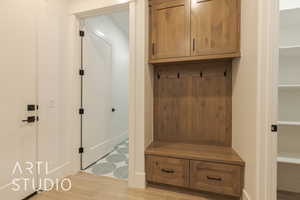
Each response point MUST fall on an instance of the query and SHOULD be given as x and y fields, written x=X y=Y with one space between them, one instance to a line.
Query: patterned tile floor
x=115 y=164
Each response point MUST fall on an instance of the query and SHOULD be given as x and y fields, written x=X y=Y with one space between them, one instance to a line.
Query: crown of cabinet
x=189 y=30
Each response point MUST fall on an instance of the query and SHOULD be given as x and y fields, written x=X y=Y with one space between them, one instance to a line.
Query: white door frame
x=268 y=66
x=136 y=78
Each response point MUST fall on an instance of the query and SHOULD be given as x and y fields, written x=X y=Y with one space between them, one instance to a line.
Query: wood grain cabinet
x=189 y=30
x=170 y=29
x=219 y=178
x=192 y=135
x=169 y=171
x=214 y=27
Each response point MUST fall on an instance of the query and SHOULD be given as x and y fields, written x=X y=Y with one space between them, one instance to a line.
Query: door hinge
x=81 y=33
x=37 y=118
x=81 y=150
x=274 y=128
x=81 y=72
x=31 y=107
x=81 y=111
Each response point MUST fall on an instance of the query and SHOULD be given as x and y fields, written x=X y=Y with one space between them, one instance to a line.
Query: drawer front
x=217 y=178
x=169 y=171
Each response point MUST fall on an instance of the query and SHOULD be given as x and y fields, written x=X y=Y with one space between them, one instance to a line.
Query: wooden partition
x=192 y=103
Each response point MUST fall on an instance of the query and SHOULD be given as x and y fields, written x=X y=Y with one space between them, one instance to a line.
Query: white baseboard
x=246 y=196
x=58 y=172
x=138 y=180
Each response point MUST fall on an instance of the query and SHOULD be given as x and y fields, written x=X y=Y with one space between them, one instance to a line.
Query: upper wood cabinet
x=214 y=27
x=170 y=29
x=186 y=30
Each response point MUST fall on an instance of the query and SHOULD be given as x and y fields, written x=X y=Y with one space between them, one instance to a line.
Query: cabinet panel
x=170 y=29
x=219 y=178
x=214 y=27
x=192 y=103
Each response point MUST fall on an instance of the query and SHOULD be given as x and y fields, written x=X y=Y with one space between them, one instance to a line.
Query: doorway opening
x=104 y=94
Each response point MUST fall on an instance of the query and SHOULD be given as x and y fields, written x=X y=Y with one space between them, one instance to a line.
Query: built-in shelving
x=289 y=87
x=288 y=123
x=289 y=158
x=289 y=50
x=289 y=97
x=290 y=27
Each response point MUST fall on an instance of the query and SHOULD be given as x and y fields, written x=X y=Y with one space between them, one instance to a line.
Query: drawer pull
x=169 y=171
x=202 y=1
x=214 y=178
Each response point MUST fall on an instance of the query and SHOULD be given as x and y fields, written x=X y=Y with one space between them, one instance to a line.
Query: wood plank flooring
x=91 y=187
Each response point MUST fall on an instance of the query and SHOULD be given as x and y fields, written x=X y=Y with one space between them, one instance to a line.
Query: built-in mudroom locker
x=192 y=45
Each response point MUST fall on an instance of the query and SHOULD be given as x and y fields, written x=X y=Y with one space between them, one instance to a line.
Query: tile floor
x=115 y=164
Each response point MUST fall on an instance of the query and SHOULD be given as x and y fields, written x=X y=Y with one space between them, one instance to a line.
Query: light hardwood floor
x=91 y=187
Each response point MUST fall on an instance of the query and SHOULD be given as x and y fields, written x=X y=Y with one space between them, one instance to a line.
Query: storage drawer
x=218 y=178
x=166 y=170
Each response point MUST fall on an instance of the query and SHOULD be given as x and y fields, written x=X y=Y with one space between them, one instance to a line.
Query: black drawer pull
x=214 y=178
x=202 y=1
x=169 y=171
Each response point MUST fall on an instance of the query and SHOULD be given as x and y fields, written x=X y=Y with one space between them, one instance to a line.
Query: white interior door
x=97 y=98
x=18 y=88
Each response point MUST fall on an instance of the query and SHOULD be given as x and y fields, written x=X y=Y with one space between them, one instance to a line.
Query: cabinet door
x=215 y=27
x=170 y=29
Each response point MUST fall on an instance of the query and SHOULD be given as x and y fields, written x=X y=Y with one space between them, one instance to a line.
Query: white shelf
x=289 y=86
x=288 y=123
x=289 y=50
x=288 y=158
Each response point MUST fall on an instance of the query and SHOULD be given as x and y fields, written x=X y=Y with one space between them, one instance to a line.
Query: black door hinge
x=37 y=118
x=30 y=107
x=81 y=72
x=81 y=111
x=274 y=128
x=81 y=33
x=81 y=150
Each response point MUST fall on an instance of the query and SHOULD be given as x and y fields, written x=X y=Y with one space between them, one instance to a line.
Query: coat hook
x=225 y=73
x=158 y=75
x=201 y=74
x=178 y=75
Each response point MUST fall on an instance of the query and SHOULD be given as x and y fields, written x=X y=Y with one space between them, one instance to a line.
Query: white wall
x=244 y=97
x=288 y=4
x=53 y=139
